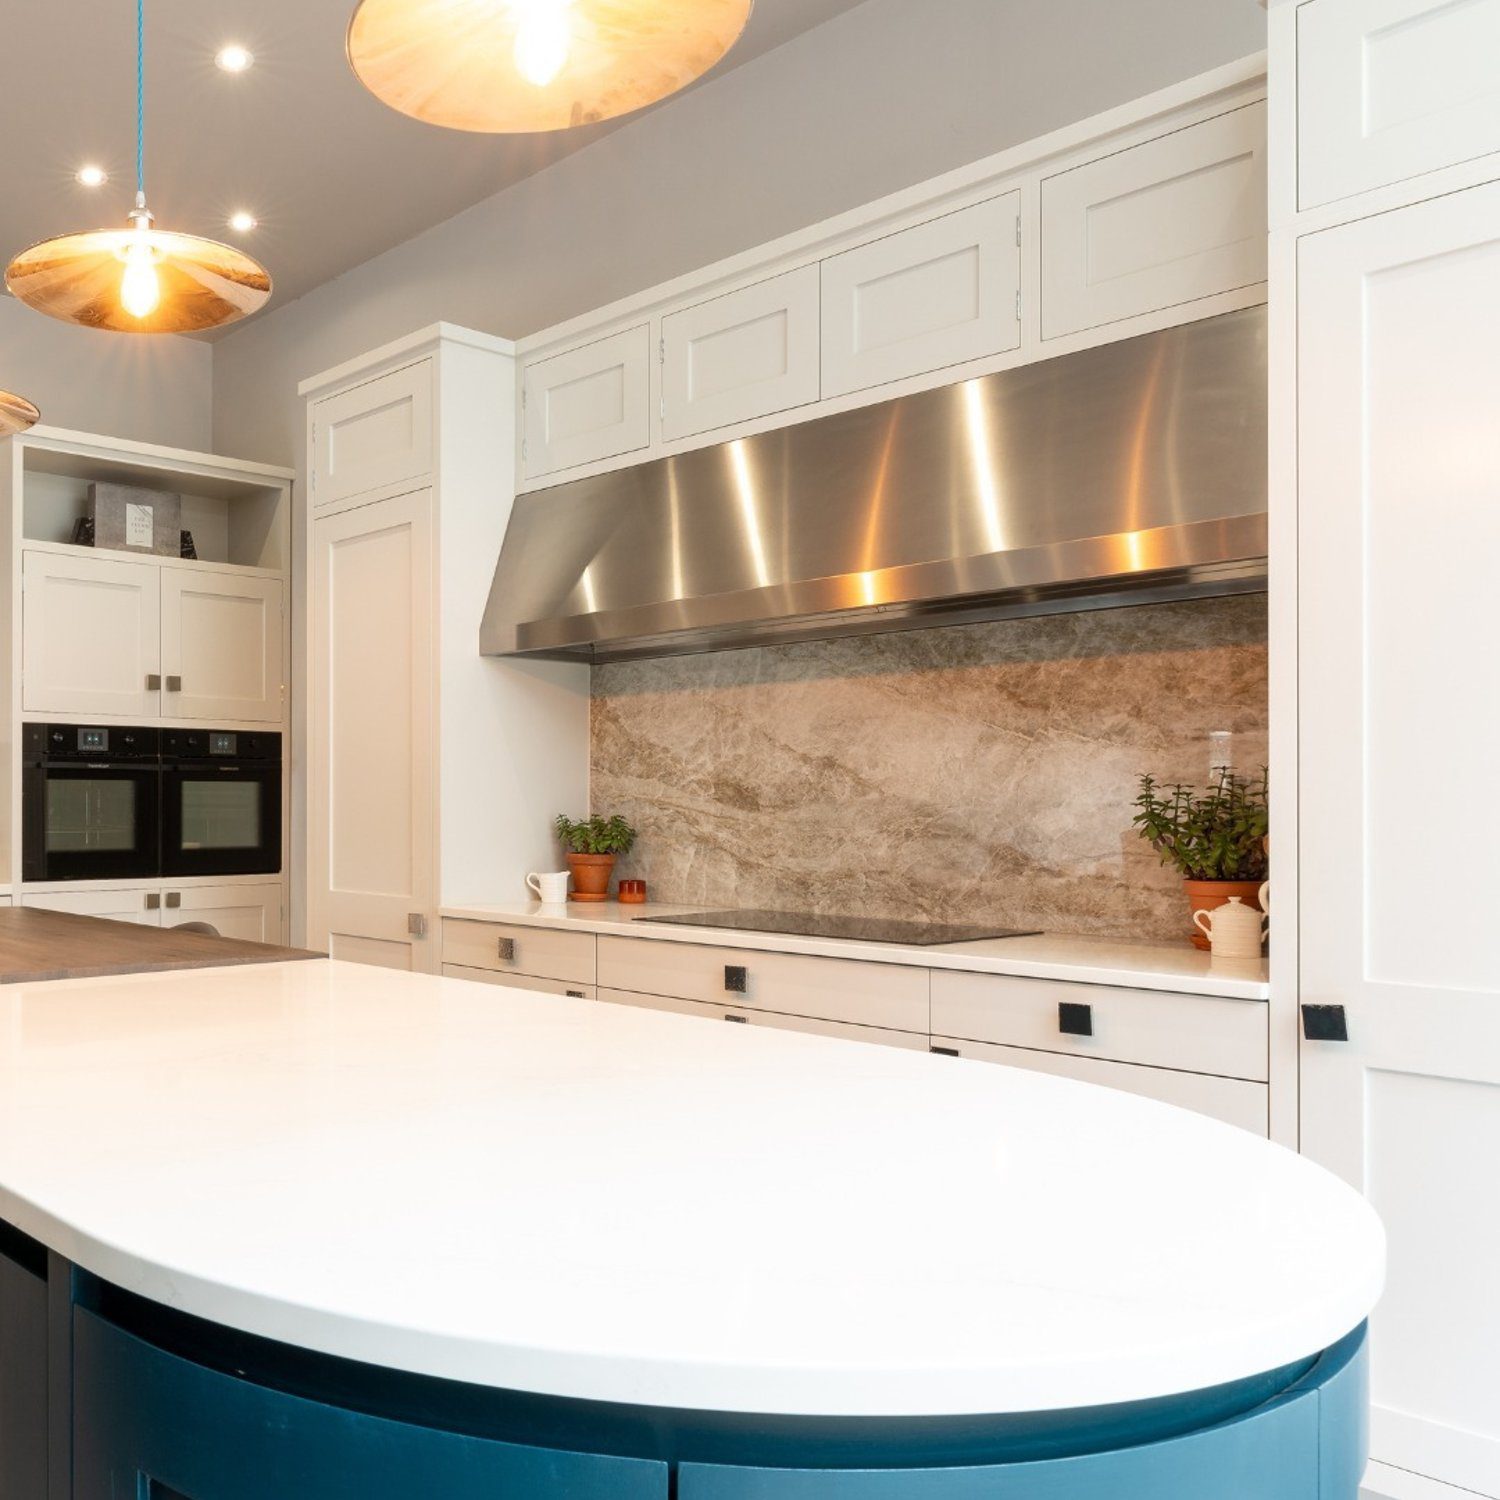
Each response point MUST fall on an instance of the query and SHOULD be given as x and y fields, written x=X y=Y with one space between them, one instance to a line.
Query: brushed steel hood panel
x=1116 y=475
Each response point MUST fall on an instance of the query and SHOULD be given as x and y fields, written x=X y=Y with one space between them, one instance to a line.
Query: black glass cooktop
x=857 y=929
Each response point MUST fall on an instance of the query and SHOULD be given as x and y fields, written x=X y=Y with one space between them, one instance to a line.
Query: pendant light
x=528 y=65
x=16 y=414
x=140 y=279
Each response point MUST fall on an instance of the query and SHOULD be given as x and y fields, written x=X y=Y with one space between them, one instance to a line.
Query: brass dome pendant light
x=141 y=279
x=527 y=65
x=16 y=414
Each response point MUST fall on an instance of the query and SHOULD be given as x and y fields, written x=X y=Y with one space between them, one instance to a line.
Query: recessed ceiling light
x=242 y=222
x=92 y=176
x=234 y=58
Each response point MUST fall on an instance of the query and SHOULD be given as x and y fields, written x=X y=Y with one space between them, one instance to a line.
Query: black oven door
x=221 y=819
x=84 y=822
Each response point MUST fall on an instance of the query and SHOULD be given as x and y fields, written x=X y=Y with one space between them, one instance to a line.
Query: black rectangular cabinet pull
x=738 y=1020
x=945 y=1051
x=1074 y=1019
x=736 y=979
x=1325 y=1023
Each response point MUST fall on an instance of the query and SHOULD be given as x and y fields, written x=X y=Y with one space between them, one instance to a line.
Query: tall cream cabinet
x=432 y=773
x=1386 y=513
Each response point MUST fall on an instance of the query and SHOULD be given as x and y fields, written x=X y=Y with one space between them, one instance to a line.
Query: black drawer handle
x=945 y=1051
x=1074 y=1019
x=1325 y=1023
x=736 y=979
x=738 y=1020
x=577 y=995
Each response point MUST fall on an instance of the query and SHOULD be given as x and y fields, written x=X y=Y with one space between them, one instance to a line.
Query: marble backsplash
x=968 y=773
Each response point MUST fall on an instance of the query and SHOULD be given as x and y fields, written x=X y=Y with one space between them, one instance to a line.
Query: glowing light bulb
x=140 y=286
x=544 y=37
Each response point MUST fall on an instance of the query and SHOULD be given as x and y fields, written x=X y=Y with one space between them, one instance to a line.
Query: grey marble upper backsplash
x=971 y=773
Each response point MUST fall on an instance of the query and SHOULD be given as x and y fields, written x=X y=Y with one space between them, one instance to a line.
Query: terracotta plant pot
x=1206 y=895
x=591 y=873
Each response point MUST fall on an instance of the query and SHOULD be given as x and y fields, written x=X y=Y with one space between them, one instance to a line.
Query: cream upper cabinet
x=741 y=356
x=1389 y=89
x=589 y=404
x=1398 y=452
x=938 y=294
x=374 y=438
x=91 y=635
x=1156 y=226
x=221 y=646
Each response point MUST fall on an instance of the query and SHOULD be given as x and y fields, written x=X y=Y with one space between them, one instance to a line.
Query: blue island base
x=106 y=1396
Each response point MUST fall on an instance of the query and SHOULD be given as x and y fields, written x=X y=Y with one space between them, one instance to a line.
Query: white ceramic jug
x=1234 y=929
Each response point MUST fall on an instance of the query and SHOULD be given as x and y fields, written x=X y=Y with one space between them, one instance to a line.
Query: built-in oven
x=220 y=802
x=90 y=802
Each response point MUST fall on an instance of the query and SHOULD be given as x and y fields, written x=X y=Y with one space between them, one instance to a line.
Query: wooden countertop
x=37 y=945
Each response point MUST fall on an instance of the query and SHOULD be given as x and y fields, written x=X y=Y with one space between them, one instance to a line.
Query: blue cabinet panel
x=1307 y=1444
x=146 y=1422
x=23 y=1371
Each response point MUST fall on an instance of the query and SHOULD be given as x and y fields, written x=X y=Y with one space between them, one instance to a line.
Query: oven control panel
x=97 y=743
x=220 y=744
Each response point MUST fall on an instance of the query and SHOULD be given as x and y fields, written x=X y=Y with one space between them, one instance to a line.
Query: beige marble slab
x=976 y=773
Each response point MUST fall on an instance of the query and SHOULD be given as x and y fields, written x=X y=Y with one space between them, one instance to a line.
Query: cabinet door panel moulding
x=374 y=439
x=589 y=404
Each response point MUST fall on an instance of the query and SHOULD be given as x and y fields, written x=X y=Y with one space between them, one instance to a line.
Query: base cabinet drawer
x=1232 y=1100
x=893 y=996
x=879 y=1035
x=507 y=948
x=1159 y=225
x=1192 y=1033
x=521 y=982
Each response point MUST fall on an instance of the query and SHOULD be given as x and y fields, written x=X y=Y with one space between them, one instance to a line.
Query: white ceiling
x=332 y=175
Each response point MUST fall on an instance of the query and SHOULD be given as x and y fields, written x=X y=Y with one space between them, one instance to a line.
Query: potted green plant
x=592 y=845
x=1215 y=838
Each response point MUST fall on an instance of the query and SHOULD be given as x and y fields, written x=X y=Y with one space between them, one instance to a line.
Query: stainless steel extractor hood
x=1131 y=472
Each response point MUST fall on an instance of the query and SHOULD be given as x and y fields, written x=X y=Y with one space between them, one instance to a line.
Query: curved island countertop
x=576 y=1199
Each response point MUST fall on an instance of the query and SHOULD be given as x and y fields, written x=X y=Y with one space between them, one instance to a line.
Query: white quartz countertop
x=551 y=1195
x=1083 y=960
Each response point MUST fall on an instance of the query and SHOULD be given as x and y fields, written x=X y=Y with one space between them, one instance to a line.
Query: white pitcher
x=1234 y=929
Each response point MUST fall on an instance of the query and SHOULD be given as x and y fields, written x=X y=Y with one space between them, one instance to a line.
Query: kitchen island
x=315 y=1230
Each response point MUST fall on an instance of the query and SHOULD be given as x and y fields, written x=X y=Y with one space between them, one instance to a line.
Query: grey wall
x=151 y=389
x=891 y=93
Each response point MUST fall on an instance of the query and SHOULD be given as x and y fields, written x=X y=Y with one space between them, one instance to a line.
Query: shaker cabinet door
x=374 y=439
x=1390 y=89
x=221 y=646
x=91 y=636
x=938 y=294
x=589 y=404
x=1399 y=529
x=1157 y=226
x=741 y=356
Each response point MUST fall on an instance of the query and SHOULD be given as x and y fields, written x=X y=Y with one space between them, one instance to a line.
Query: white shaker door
x=371 y=771
x=91 y=636
x=251 y=913
x=588 y=404
x=1399 y=521
x=374 y=438
x=221 y=647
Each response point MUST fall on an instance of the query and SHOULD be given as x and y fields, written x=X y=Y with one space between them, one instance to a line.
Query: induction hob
x=855 y=929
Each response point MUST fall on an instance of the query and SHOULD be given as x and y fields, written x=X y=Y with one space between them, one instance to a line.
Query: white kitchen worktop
x=1084 y=960
x=599 y=1201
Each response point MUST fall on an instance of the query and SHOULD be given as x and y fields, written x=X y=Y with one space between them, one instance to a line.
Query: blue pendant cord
x=140 y=96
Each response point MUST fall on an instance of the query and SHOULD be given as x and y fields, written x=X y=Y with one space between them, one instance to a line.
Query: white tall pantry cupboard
x=1386 y=457
x=432 y=772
